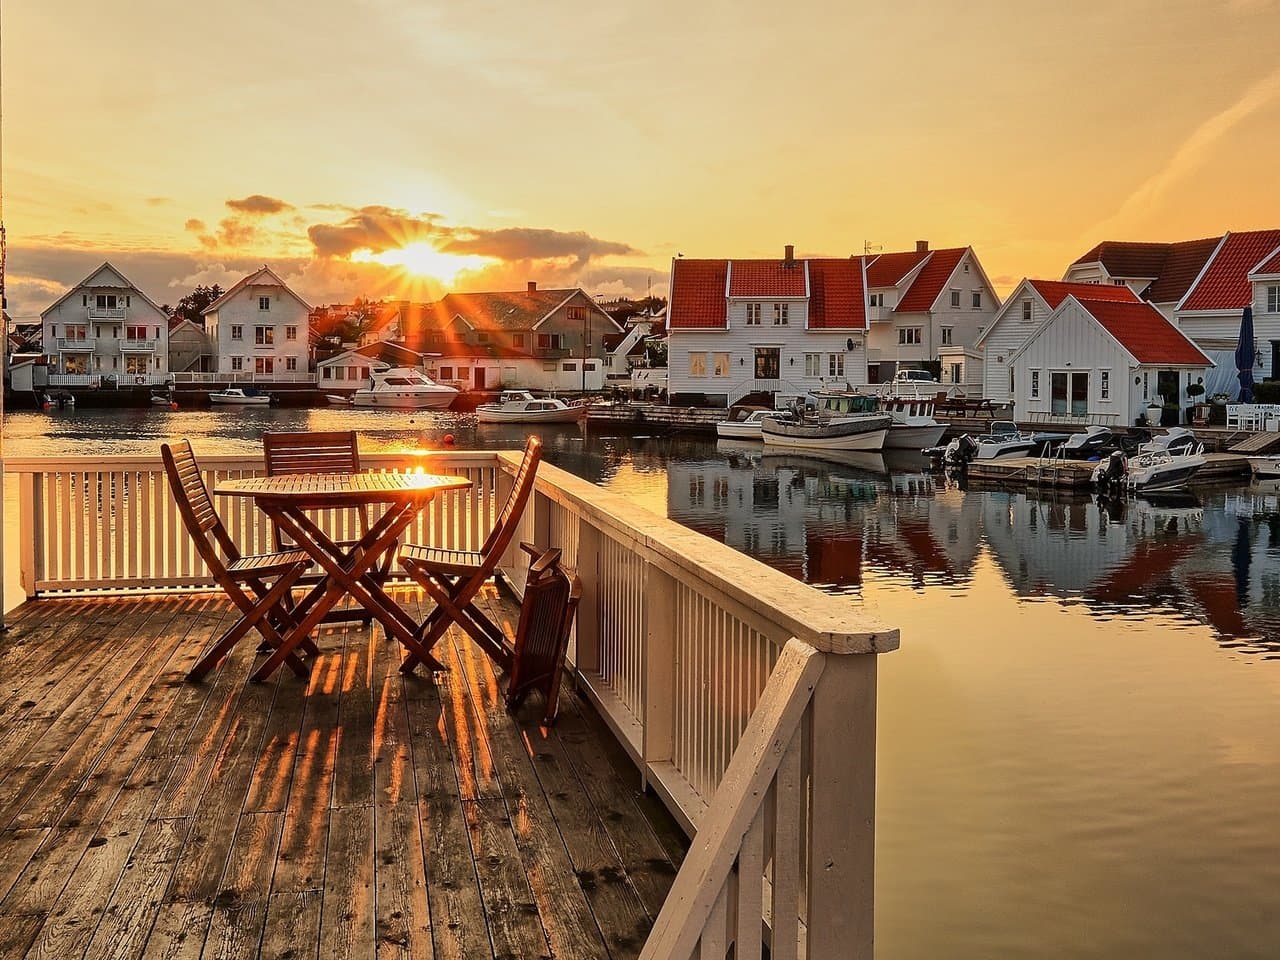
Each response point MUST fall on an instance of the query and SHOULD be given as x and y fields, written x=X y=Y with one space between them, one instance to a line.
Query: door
x=1079 y=394
x=768 y=363
x=479 y=375
x=1167 y=385
x=1058 y=393
x=1275 y=360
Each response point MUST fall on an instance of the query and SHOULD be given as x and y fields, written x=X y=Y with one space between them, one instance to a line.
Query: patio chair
x=259 y=585
x=453 y=578
x=542 y=635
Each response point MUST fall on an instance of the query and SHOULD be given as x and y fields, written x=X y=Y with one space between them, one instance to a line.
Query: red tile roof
x=1055 y=291
x=1172 y=267
x=1225 y=284
x=696 y=299
x=933 y=276
x=888 y=269
x=766 y=278
x=1145 y=333
x=1271 y=266
x=837 y=298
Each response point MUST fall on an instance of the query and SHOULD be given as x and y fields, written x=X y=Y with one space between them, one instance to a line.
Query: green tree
x=194 y=303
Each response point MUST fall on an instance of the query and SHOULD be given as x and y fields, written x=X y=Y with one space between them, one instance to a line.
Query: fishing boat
x=403 y=388
x=743 y=423
x=820 y=430
x=235 y=396
x=521 y=406
x=1152 y=472
x=914 y=427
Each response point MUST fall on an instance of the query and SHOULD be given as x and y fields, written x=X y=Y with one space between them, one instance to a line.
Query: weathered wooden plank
x=179 y=931
x=17 y=934
x=16 y=850
x=240 y=906
x=353 y=758
x=347 y=922
x=403 y=919
x=509 y=904
x=292 y=930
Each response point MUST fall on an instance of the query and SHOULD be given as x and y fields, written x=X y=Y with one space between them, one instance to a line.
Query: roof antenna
x=869 y=247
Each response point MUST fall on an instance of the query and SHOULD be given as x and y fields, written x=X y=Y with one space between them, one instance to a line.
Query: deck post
x=841 y=861
x=29 y=521
x=586 y=649
x=658 y=678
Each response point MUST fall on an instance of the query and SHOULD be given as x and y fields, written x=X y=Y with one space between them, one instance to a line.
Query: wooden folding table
x=287 y=498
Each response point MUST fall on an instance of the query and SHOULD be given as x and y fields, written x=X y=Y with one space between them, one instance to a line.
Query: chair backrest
x=196 y=506
x=521 y=489
x=335 y=451
x=547 y=613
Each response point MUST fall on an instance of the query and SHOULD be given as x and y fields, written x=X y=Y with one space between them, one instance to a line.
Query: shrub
x=1195 y=390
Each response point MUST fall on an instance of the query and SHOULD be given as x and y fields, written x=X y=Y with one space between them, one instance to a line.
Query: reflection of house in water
x=824 y=519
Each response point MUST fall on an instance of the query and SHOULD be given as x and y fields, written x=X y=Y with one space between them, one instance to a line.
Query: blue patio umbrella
x=1245 y=355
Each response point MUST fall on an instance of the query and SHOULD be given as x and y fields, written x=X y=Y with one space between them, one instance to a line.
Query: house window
x=544 y=341
x=1035 y=384
x=291 y=363
x=753 y=314
x=1104 y=385
x=697 y=364
x=1010 y=380
x=876 y=300
x=446 y=373
x=237 y=363
x=549 y=367
x=76 y=364
x=517 y=340
x=946 y=336
x=462 y=372
x=835 y=364
x=1273 y=299
x=780 y=314
x=364 y=373
x=1146 y=384
x=76 y=331
x=955 y=298
x=482 y=337
x=910 y=335
x=264 y=303
x=135 y=365
x=568 y=366
x=813 y=364
x=264 y=365
x=339 y=373
x=1117 y=283
x=328 y=374
x=135 y=333
x=977 y=299
x=291 y=333
x=576 y=313
x=1026 y=309
x=264 y=336
x=106 y=301
x=719 y=364
x=237 y=332
x=588 y=366
x=956 y=372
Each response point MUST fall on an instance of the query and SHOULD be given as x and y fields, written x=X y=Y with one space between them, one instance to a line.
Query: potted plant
x=1154 y=409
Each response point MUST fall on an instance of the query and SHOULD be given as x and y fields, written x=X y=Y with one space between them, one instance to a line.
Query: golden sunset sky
x=588 y=142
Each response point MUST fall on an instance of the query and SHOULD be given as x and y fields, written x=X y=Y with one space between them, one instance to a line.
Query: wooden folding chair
x=244 y=579
x=453 y=578
x=542 y=635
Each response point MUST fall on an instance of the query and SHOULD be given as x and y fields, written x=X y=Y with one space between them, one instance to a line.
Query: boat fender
x=448 y=439
x=173 y=404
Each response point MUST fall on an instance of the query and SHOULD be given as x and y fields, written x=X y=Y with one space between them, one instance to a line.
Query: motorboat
x=1002 y=441
x=1152 y=472
x=1175 y=440
x=914 y=427
x=1265 y=468
x=913 y=383
x=818 y=430
x=743 y=423
x=403 y=388
x=521 y=406
x=1095 y=443
x=236 y=396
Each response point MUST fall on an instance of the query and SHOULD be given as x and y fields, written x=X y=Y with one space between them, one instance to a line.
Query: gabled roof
x=697 y=295
x=1053 y=292
x=700 y=290
x=1145 y=333
x=264 y=277
x=506 y=310
x=767 y=278
x=928 y=283
x=125 y=283
x=1224 y=283
x=837 y=297
x=888 y=269
x=1172 y=267
x=1270 y=267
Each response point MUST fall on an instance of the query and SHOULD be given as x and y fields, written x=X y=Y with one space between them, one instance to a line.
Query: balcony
x=106 y=313
x=76 y=344
x=137 y=346
x=879 y=313
x=360 y=808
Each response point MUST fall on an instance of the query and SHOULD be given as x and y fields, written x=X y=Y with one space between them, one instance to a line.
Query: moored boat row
x=839 y=420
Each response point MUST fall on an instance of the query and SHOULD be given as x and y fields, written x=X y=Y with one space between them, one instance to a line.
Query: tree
x=194 y=303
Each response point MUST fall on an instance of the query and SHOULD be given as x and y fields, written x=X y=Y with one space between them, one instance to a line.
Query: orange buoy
x=448 y=439
x=173 y=404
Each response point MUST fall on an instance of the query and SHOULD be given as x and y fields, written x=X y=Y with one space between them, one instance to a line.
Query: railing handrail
x=825 y=622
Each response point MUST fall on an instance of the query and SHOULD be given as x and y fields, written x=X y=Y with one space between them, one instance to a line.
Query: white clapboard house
x=259 y=329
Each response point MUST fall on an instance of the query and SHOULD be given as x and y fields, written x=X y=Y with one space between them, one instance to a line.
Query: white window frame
x=955 y=299
x=291 y=333
x=697 y=363
x=977 y=299
x=1035 y=384
x=910 y=336
x=264 y=335
x=753 y=314
x=835 y=364
x=264 y=303
x=291 y=364
x=237 y=331
x=813 y=365
x=948 y=336
x=1011 y=380
x=876 y=300
x=1027 y=310
x=781 y=314
x=1273 y=299
x=716 y=369
x=1104 y=385
x=237 y=364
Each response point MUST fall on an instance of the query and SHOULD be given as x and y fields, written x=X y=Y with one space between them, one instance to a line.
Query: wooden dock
x=1077 y=474
x=354 y=814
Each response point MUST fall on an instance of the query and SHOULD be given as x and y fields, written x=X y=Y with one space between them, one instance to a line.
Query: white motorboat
x=1265 y=468
x=914 y=427
x=520 y=406
x=743 y=423
x=860 y=431
x=403 y=388
x=235 y=396
x=1175 y=440
x=1096 y=442
x=1003 y=441
x=1152 y=472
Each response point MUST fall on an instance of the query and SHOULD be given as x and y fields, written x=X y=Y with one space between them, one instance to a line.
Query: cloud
x=1194 y=150
x=158 y=201
x=195 y=226
x=374 y=228
x=258 y=205
x=530 y=243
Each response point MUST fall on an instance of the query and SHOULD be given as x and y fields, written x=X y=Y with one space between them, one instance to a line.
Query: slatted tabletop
x=338 y=489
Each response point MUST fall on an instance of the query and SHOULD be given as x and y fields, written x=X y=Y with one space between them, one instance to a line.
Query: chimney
x=922 y=246
x=533 y=286
x=789 y=255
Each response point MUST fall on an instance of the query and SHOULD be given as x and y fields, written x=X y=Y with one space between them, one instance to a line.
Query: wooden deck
x=356 y=814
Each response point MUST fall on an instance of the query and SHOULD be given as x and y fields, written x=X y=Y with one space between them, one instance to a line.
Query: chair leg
x=256 y=615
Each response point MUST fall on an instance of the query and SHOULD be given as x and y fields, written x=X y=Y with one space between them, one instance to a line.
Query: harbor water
x=1078 y=751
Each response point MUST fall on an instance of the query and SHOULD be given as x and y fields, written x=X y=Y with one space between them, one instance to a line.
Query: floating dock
x=1077 y=474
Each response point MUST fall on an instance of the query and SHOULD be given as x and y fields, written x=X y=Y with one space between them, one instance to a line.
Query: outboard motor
x=1111 y=472
x=961 y=451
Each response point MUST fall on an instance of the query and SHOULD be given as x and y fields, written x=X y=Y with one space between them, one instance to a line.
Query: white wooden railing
x=244 y=376
x=746 y=699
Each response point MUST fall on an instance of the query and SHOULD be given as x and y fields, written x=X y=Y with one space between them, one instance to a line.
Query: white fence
x=244 y=376
x=746 y=699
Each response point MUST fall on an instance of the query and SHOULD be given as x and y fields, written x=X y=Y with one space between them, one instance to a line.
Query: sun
x=424 y=261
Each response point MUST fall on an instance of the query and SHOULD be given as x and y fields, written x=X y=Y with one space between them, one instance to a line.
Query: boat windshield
x=847 y=403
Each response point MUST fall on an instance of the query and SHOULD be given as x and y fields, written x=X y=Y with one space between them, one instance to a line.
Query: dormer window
x=876 y=300
x=264 y=303
x=1026 y=309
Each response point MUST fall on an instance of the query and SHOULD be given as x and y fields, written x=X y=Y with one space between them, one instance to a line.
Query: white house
x=1104 y=360
x=781 y=327
x=259 y=328
x=105 y=327
x=928 y=306
x=1022 y=314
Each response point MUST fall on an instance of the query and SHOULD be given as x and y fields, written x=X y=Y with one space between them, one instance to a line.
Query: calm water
x=1078 y=737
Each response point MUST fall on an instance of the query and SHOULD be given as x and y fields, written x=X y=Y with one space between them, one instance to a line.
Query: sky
x=409 y=147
